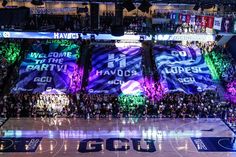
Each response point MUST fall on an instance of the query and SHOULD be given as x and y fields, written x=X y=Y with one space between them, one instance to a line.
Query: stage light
x=37 y=2
x=128 y=4
x=4 y=3
x=144 y=6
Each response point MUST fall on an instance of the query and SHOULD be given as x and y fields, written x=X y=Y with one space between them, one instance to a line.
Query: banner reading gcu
x=48 y=66
x=116 y=71
x=182 y=69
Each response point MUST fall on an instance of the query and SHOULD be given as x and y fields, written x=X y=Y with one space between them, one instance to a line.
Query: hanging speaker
x=4 y=3
x=37 y=2
x=144 y=6
x=129 y=5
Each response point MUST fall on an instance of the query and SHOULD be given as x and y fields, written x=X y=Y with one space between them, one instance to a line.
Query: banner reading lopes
x=116 y=70
x=50 y=66
x=182 y=69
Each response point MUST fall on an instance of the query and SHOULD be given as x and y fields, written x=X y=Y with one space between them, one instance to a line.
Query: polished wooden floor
x=61 y=137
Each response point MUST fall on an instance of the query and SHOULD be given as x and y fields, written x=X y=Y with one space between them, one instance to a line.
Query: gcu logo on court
x=117 y=144
x=112 y=60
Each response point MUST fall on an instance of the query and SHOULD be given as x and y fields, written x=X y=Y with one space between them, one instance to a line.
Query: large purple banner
x=50 y=66
x=183 y=69
x=116 y=70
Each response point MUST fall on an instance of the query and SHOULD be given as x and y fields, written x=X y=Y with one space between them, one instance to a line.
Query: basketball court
x=75 y=137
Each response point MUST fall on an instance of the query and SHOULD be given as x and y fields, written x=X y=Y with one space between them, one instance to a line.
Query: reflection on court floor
x=116 y=137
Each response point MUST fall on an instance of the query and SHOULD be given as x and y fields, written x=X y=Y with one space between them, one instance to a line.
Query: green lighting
x=69 y=45
x=60 y=42
x=218 y=63
x=211 y=66
x=130 y=102
x=10 y=51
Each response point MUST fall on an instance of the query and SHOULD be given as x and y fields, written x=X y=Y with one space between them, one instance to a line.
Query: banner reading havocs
x=182 y=69
x=50 y=66
x=116 y=70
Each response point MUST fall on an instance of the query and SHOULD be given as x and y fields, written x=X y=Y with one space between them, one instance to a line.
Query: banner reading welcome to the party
x=49 y=66
x=182 y=69
x=116 y=70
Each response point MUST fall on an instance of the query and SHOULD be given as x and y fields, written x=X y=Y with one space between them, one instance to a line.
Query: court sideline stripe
x=4 y=121
x=228 y=126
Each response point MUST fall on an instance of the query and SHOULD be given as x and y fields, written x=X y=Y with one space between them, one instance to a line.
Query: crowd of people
x=221 y=59
x=137 y=24
x=82 y=22
x=3 y=71
x=223 y=67
x=173 y=105
x=223 y=62
x=9 y=55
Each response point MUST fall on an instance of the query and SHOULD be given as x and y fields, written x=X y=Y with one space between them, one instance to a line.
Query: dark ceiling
x=163 y=1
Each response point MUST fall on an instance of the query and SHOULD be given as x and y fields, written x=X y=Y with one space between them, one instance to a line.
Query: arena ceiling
x=156 y=1
x=167 y=1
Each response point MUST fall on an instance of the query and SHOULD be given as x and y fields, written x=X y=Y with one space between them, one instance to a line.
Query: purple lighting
x=153 y=90
x=231 y=90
